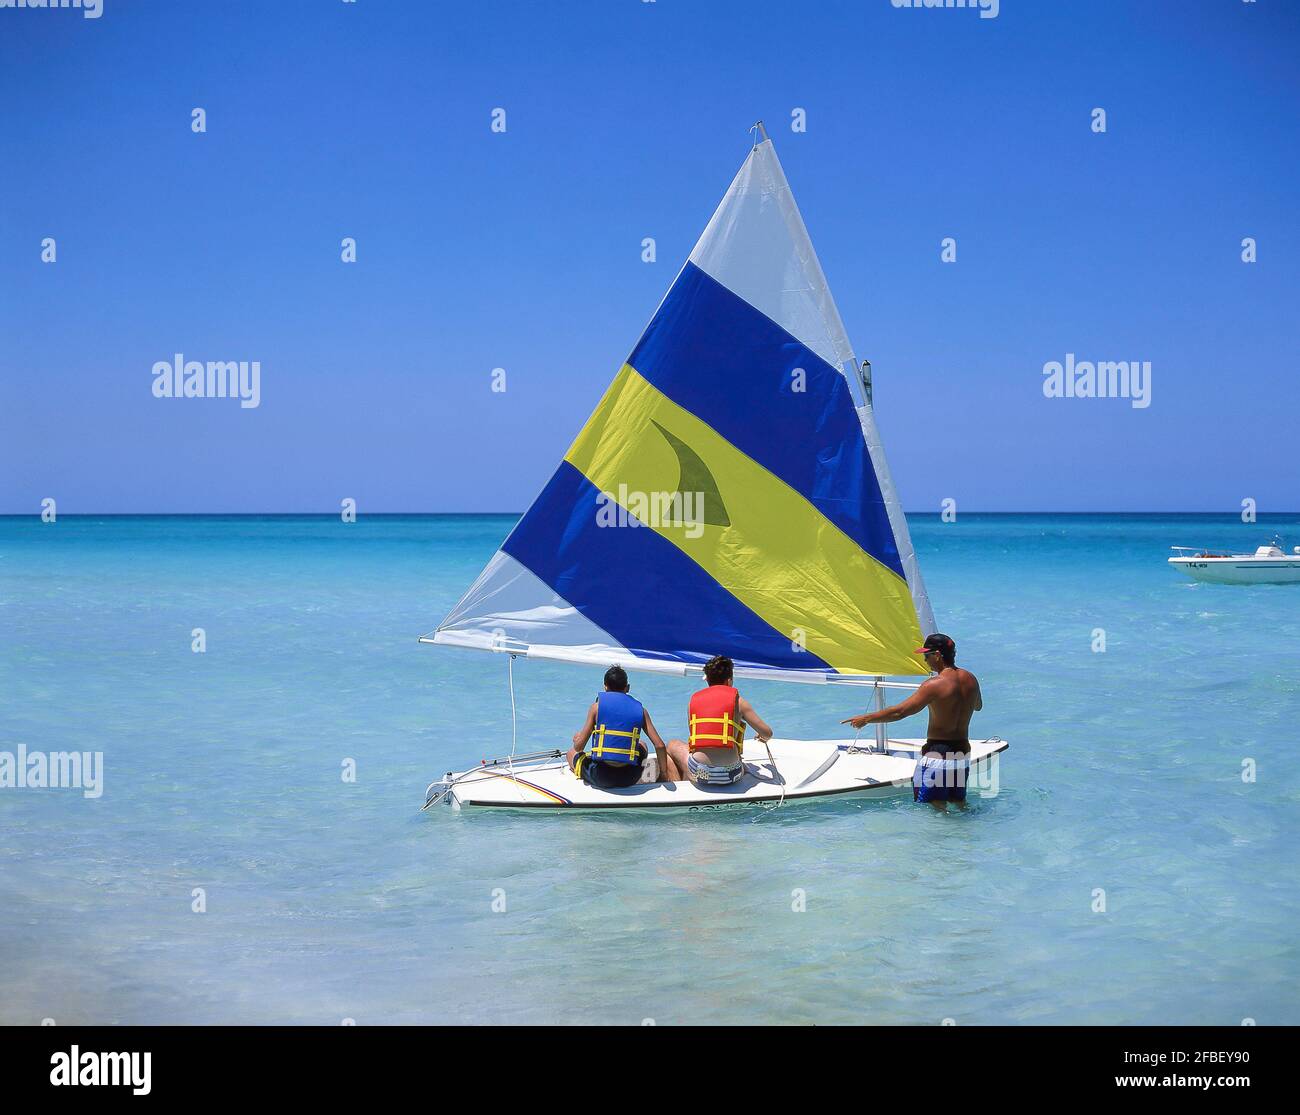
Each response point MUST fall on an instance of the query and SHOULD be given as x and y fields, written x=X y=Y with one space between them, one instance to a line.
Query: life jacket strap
x=731 y=732
x=601 y=748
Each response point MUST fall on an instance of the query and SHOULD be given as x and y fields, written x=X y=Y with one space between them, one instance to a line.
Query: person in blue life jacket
x=614 y=725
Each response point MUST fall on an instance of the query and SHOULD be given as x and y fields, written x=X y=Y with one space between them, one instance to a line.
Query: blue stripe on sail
x=640 y=588
x=731 y=366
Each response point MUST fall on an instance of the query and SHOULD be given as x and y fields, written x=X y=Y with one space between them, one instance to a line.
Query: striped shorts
x=705 y=774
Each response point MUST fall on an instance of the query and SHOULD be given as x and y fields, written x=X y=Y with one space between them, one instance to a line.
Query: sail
x=729 y=495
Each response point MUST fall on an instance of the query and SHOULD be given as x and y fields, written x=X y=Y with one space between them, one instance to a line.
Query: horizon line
x=518 y=514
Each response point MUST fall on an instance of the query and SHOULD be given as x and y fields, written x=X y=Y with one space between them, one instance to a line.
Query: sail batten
x=729 y=495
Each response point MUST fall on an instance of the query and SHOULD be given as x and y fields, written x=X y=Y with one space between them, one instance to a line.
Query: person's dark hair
x=718 y=670
x=616 y=679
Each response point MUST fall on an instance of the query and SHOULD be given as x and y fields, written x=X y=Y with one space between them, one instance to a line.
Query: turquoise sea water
x=328 y=900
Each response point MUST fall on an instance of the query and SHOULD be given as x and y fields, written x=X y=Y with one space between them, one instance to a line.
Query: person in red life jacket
x=718 y=716
x=615 y=723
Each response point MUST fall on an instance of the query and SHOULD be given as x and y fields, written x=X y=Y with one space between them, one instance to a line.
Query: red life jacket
x=715 y=718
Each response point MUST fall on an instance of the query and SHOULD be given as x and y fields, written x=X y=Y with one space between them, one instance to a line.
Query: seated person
x=718 y=716
x=614 y=724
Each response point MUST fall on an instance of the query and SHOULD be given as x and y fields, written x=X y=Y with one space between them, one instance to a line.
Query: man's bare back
x=953 y=698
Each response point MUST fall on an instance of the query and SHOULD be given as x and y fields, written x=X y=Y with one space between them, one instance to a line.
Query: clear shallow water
x=328 y=900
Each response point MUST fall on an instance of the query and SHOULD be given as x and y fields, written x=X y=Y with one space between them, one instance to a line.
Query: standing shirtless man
x=953 y=697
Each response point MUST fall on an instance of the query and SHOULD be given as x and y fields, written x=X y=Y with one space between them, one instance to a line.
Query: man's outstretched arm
x=901 y=711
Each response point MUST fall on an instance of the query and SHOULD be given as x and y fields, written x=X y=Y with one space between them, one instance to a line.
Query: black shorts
x=610 y=776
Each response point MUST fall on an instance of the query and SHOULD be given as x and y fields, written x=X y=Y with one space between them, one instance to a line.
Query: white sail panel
x=510 y=606
x=757 y=246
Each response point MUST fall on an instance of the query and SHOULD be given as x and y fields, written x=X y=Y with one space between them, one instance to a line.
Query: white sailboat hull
x=1244 y=569
x=799 y=771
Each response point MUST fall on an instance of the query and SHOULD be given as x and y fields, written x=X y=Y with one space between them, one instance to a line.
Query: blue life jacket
x=617 y=735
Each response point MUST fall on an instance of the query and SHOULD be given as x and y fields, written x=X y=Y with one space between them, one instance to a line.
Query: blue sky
x=522 y=250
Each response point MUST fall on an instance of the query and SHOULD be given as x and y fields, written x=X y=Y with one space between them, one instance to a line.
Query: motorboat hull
x=1240 y=570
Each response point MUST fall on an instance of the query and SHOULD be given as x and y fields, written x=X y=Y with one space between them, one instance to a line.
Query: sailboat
x=728 y=495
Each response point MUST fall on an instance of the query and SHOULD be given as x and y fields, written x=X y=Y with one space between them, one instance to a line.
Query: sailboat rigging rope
x=514 y=733
x=776 y=772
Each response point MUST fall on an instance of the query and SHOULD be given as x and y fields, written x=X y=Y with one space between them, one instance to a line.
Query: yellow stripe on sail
x=757 y=537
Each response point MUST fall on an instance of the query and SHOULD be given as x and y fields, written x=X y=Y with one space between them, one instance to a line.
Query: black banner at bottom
x=359 y=1063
